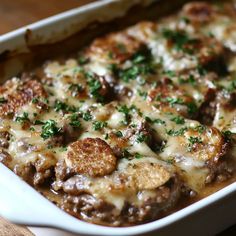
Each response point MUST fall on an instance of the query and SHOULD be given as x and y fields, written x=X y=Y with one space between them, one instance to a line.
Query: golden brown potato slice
x=143 y=31
x=200 y=143
x=147 y=175
x=170 y=98
x=208 y=49
x=209 y=145
x=113 y=48
x=91 y=156
x=17 y=93
x=198 y=12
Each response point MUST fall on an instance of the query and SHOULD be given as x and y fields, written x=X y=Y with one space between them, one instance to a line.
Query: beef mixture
x=136 y=123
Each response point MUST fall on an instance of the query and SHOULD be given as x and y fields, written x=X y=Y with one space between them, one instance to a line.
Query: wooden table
x=17 y=13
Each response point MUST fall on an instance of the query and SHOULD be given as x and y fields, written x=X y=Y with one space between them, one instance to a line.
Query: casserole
x=28 y=37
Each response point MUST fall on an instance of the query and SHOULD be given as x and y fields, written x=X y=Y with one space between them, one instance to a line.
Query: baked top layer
x=135 y=123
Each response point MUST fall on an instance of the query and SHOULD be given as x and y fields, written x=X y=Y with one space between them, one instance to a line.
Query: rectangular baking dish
x=63 y=33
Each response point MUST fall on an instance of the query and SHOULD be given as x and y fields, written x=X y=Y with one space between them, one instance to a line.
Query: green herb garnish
x=75 y=89
x=98 y=125
x=142 y=94
x=200 y=128
x=119 y=134
x=192 y=108
x=94 y=89
x=179 y=132
x=142 y=64
x=179 y=120
x=138 y=155
x=61 y=106
x=155 y=121
x=87 y=116
x=38 y=122
x=2 y=100
x=74 y=121
x=141 y=137
x=35 y=100
x=49 y=129
x=180 y=40
x=125 y=110
x=23 y=118
x=173 y=101
x=192 y=141
x=83 y=60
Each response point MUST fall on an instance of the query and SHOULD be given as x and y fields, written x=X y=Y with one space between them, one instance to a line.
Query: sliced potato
x=114 y=48
x=19 y=92
x=147 y=175
x=91 y=156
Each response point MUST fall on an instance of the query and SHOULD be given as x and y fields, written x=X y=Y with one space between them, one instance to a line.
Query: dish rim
x=17 y=36
x=75 y=225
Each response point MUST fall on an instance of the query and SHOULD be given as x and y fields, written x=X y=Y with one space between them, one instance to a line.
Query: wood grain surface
x=8 y=229
x=17 y=13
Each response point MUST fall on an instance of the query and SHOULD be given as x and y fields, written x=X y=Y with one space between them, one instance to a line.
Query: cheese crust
x=138 y=121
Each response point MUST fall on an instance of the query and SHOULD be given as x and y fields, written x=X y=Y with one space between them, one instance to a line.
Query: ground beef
x=85 y=206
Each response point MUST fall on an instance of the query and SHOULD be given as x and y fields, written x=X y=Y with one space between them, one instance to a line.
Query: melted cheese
x=116 y=106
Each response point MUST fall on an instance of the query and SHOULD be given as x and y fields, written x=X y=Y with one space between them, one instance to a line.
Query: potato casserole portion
x=134 y=124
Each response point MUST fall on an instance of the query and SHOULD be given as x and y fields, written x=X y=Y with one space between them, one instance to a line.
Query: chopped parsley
x=179 y=132
x=169 y=73
x=86 y=116
x=232 y=86
x=32 y=129
x=61 y=106
x=227 y=134
x=179 y=120
x=155 y=121
x=201 y=70
x=38 y=122
x=185 y=19
x=138 y=155
x=106 y=136
x=122 y=48
x=63 y=149
x=77 y=70
x=74 y=121
x=142 y=94
x=129 y=74
x=126 y=154
x=119 y=134
x=180 y=39
x=173 y=101
x=2 y=100
x=170 y=160
x=141 y=137
x=98 y=125
x=35 y=100
x=45 y=100
x=75 y=89
x=200 y=128
x=193 y=140
x=125 y=110
x=49 y=129
x=189 y=80
x=192 y=108
x=23 y=118
x=94 y=88
x=142 y=64
x=110 y=55
x=160 y=147
x=83 y=60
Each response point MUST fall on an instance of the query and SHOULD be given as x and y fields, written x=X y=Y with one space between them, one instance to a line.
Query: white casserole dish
x=21 y=204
